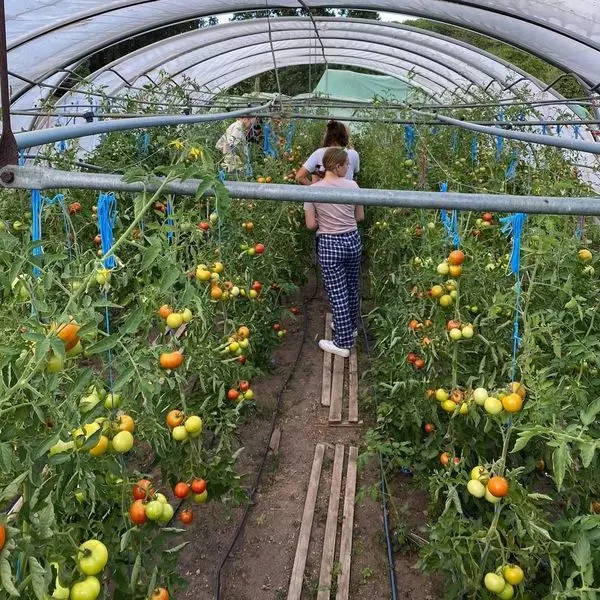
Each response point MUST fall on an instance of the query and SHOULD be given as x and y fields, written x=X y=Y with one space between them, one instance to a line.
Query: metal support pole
x=8 y=145
x=40 y=137
x=43 y=179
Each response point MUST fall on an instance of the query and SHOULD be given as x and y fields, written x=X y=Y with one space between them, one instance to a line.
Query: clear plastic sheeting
x=45 y=36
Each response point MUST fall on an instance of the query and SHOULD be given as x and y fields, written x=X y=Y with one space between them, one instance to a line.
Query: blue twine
x=558 y=129
x=21 y=158
x=511 y=171
x=513 y=226
x=222 y=175
x=544 y=130
x=170 y=233
x=474 y=149
x=521 y=116
x=107 y=216
x=268 y=151
x=450 y=223
x=576 y=132
x=409 y=140
x=143 y=143
x=580 y=227
x=454 y=143
x=289 y=137
x=37 y=206
x=499 y=140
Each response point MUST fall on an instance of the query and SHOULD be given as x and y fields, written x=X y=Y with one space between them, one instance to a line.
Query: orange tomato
x=216 y=292
x=456 y=257
x=175 y=418
x=453 y=325
x=233 y=394
x=137 y=512
x=160 y=594
x=498 y=486
x=517 y=388
x=414 y=324
x=171 y=360
x=126 y=423
x=455 y=270
x=164 y=311
x=142 y=489
x=512 y=403
x=445 y=458
x=243 y=332
x=2 y=536
x=68 y=334
x=419 y=363
x=186 y=516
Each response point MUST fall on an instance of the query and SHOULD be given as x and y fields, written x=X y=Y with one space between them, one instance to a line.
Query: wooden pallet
x=335 y=382
x=331 y=526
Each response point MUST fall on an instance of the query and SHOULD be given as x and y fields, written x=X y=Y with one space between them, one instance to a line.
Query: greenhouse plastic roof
x=47 y=35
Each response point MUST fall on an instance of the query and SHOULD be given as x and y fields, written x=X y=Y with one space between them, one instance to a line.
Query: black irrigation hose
x=266 y=453
x=384 y=508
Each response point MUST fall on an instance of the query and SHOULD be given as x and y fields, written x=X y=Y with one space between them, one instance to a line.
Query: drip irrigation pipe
x=266 y=453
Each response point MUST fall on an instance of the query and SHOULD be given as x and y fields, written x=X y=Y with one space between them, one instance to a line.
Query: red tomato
x=233 y=394
x=429 y=427
x=186 y=516
x=137 y=512
x=259 y=248
x=182 y=489
x=142 y=489
x=198 y=486
x=244 y=386
x=411 y=358
x=419 y=363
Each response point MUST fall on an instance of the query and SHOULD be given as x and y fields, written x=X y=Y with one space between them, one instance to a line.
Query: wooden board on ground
x=343 y=586
x=353 y=387
x=326 y=387
x=295 y=589
x=337 y=390
x=331 y=524
x=274 y=443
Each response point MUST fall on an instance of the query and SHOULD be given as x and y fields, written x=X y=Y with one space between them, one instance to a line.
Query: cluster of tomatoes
x=503 y=581
x=197 y=491
x=458 y=331
x=420 y=329
x=237 y=344
x=484 y=222
x=174 y=320
x=418 y=362
x=279 y=330
x=482 y=485
x=242 y=392
x=67 y=333
x=206 y=226
x=511 y=401
x=149 y=505
x=455 y=401
x=182 y=427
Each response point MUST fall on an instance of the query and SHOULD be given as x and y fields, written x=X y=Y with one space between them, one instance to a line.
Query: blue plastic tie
x=513 y=226
x=107 y=217
x=37 y=206
x=511 y=171
x=289 y=137
x=409 y=140
x=454 y=143
x=170 y=211
x=222 y=175
x=577 y=132
x=499 y=140
x=21 y=158
x=474 y=149
x=143 y=143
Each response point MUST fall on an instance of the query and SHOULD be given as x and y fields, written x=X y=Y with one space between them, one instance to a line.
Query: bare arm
x=310 y=218
x=359 y=213
x=303 y=177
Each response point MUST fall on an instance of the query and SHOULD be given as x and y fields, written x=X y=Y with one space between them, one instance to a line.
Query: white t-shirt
x=334 y=218
x=316 y=158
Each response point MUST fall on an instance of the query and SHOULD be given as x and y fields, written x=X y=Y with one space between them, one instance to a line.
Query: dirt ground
x=260 y=565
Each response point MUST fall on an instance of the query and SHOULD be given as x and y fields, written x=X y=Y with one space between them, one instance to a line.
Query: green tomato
x=200 y=498
x=492 y=405
x=507 y=593
x=455 y=334
x=193 y=425
x=476 y=488
x=55 y=363
x=75 y=351
x=154 y=510
x=161 y=498
x=112 y=401
x=122 y=442
x=480 y=395
x=92 y=557
x=167 y=514
x=467 y=332
x=88 y=589
x=494 y=583
x=491 y=498
x=180 y=433
x=513 y=574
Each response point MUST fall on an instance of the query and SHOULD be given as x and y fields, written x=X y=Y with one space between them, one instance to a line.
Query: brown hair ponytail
x=336 y=134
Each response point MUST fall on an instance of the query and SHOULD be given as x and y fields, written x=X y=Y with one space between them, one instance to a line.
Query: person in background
x=336 y=136
x=234 y=144
x=338 y=251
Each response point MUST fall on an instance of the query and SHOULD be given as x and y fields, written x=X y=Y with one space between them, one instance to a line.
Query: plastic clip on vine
x=107 y=216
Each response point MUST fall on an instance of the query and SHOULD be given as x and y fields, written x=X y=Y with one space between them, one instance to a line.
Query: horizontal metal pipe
x=40 y=137
x=295 y=115
x=42 y=179
x=533 y=138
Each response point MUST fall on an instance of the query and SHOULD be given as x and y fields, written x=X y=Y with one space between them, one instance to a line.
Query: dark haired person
x=336 y=136
x=338 y=251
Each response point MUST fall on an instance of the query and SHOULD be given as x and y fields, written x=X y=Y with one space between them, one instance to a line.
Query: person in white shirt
x=336 y=136
x=234 y=144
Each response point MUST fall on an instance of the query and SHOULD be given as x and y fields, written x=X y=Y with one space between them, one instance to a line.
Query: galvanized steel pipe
x=43 y=179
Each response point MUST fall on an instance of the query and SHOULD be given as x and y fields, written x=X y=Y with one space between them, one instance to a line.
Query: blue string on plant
x=409 y=140
x=577 y=132
x=289 y=137
x=21 y=158
x=267 y=150
x=513 y=226
x=474 y=150
x=580 y=227
x=143 y=143
x=450 y=222
x=170 y=211
x=454 y=143
x=37 y=206
x=511 y=171
x=222 y=175
x=499 y=140
x=107 y=216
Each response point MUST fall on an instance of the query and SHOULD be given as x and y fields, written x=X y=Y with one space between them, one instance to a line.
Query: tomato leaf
x=176 y=548
x=45 y=446
x=152 y=584
x=168 y=279
x=587 y=450
x=135 y=572
x=12 y=489
x=588 y=416
x=523 y=439
x=40 y=579
x=7 y=578
x=133 y=322
x=103 y=345
x=125 y=539
x=150 y=255
x=91 y=441
x=560 y=457
x=581 y=552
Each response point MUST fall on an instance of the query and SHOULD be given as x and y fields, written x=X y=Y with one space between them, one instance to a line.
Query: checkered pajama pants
x=339 y=259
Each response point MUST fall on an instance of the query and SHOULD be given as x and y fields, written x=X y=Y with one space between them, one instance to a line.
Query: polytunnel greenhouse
x=299 y=300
